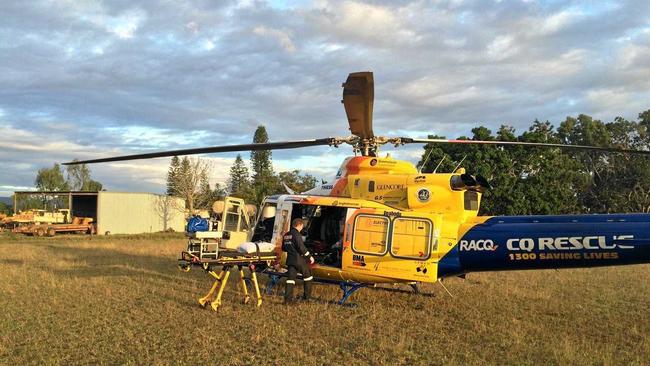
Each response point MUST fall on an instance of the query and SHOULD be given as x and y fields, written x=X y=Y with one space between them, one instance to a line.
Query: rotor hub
x=367 y=146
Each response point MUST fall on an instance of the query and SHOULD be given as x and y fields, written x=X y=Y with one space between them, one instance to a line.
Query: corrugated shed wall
x=135 y=213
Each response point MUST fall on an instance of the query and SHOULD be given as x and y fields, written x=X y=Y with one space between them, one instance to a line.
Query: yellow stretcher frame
x=221 y=279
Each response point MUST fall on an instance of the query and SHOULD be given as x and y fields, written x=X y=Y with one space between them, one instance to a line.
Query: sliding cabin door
x=390 y=246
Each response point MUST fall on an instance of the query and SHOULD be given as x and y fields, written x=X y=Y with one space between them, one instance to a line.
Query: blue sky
x=86 y=79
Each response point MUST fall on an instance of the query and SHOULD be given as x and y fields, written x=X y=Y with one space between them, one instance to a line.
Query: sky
x=87 y=79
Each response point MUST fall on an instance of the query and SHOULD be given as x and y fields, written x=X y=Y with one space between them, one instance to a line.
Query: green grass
x=121 y=300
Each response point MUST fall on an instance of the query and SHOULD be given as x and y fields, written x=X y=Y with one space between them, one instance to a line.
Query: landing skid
x=273 y=281
x=348 y=288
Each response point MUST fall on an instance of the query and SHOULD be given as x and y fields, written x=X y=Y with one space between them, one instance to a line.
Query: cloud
x=280 y=36
x=92 y=79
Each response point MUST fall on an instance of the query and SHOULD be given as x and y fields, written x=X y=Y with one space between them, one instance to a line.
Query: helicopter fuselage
x=382 y=221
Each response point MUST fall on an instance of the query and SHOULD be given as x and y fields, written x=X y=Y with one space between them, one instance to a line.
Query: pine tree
x=204 y=198
x=219 y=192
x=264 y=181
x=261 y=160
x=238 y=184
x=174 y=166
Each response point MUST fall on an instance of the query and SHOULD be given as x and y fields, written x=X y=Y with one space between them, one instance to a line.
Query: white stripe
x=307 y=254
x=291 y=282
x=308 y=278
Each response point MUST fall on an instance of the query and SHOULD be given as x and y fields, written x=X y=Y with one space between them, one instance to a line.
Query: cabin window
x=370 y=234
x=232 y=217
x=471 y=200
x=411 y=238
x=371 y=186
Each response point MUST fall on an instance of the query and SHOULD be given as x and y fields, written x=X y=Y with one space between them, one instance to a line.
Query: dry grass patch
x=121 y=300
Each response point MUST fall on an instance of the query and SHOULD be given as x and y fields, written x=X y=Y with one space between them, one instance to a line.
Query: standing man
x=297 y=257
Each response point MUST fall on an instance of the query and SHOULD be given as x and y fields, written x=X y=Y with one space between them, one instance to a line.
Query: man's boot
x=307 y=290
x=288 y=291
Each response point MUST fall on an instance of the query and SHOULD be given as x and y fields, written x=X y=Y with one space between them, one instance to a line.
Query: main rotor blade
x=408 y=140
x=214 y=149
x=358 y=98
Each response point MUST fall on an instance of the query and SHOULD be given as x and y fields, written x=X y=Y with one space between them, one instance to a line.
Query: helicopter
x=380 y=220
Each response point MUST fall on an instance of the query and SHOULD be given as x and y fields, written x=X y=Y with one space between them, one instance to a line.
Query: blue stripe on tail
x=535 y=242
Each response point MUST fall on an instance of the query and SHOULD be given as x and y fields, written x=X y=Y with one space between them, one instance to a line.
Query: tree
x=186 y=182
x=297 y=182
x=5 y=209
x=264 y=182
x=174 y=166
x=238 y=184
x=166 y=207
x=79 y=179
x=207 y=195
x=550 y=181
x=51 y=179
x=261 y=159
x=219 y=192
x=524 y=180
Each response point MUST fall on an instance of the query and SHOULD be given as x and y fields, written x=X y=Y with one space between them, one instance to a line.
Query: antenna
x=438 y=166
x=458 y=166
x=426 y=159
x=445 y=287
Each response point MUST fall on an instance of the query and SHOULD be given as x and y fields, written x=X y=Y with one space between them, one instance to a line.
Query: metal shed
x=118 y=212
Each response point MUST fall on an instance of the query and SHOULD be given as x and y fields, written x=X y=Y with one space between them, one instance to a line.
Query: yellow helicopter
x=380 y=220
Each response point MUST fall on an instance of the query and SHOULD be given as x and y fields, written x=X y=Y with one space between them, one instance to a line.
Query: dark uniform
x=297 y=256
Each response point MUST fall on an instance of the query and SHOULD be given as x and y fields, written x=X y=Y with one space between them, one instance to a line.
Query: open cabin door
x=236 y=222
x=389 y=245
x=281 y=226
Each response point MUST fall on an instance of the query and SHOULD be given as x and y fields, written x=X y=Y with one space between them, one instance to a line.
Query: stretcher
x=227 y=259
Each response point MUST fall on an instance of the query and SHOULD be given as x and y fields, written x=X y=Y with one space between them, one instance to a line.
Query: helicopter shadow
x=403 y=291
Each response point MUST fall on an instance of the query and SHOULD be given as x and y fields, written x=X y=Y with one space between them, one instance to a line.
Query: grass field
x=121 y=300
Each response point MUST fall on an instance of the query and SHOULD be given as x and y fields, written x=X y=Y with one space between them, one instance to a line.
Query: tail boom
x=540 y=242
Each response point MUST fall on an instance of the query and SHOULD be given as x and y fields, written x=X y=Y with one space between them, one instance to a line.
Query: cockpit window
x=471 y=200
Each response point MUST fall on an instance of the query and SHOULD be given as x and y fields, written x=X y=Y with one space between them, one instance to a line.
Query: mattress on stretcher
x=234 y=254
x=255 y=248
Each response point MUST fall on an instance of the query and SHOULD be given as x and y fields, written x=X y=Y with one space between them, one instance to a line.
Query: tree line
x=74 y=178
x=187 y=177
x=525 y=180
x=58 y=179
x=529 y=180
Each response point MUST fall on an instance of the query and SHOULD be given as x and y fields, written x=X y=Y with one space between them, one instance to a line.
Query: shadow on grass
x=104 y=262
x=12 y=262
x=403 y=291
x=101 y=262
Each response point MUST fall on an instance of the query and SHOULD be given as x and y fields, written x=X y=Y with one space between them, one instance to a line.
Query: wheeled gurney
x=204 y=252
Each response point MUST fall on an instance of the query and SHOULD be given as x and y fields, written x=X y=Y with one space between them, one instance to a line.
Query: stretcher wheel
x=204 y=303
